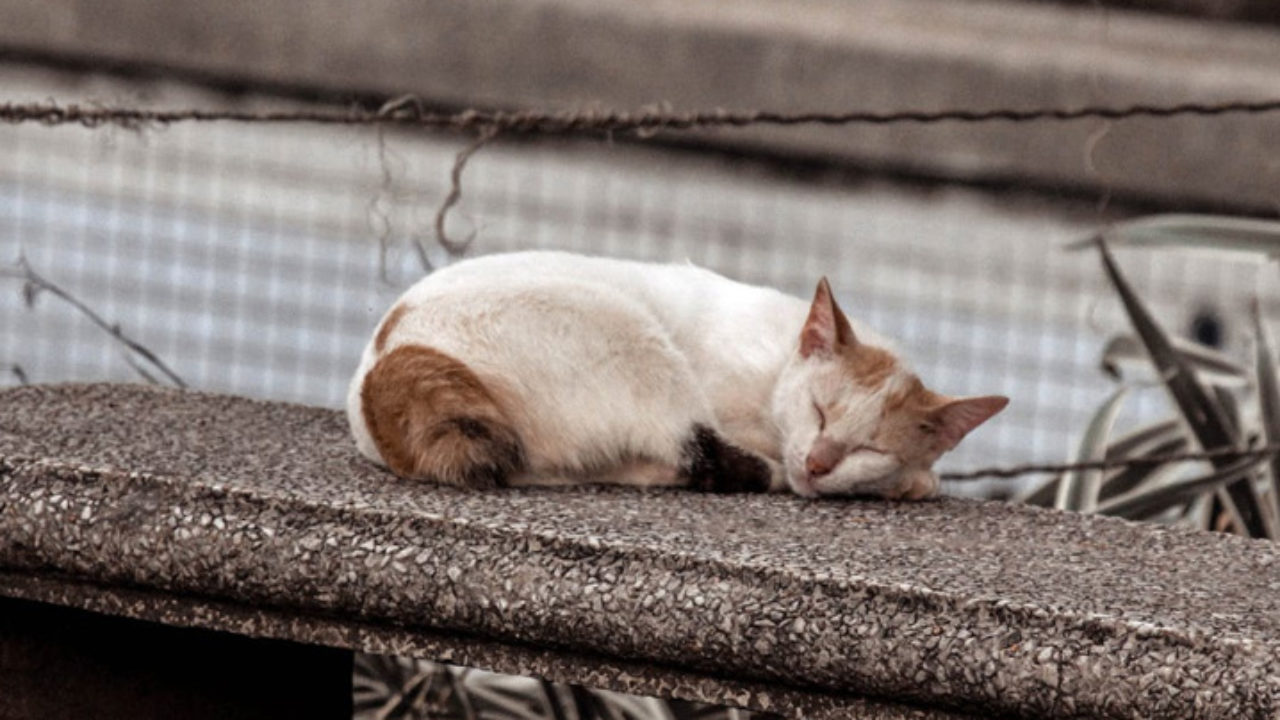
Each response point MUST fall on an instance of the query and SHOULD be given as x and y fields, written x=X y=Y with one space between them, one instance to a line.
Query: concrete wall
x=803 y=54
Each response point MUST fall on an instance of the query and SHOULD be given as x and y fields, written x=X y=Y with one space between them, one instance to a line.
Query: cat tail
x=431 y=418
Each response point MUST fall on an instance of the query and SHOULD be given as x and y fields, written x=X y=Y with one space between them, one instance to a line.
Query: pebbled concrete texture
x=553 y=664
x=960 y=605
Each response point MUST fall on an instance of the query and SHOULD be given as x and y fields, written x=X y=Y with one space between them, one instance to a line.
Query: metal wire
x=644 y=121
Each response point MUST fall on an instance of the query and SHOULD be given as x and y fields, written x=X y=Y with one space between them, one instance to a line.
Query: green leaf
x=1268 y=399
x=1079 y=488
x=1204 y=232
x=1205 y=417
x=1144 y=503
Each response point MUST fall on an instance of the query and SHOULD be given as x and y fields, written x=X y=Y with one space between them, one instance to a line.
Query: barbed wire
x=1012 y=471
x=409 y=112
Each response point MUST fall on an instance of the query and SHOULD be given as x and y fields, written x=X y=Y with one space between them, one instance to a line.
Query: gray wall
x=831 y=55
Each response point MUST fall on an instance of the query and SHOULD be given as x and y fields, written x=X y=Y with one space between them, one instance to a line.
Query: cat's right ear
x=827 y=330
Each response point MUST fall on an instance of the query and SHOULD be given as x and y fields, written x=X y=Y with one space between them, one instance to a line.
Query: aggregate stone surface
x=980 y=607
x=552 y=664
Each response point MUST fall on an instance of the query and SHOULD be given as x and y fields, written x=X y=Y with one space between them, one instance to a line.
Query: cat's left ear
x=957 y=417
x=827 y=329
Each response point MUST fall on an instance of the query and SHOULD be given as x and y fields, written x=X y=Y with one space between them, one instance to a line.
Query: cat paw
x=915 y=485
x=712 y=464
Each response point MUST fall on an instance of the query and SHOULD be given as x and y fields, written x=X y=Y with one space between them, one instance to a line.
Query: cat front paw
x=915 y=485
x=712 y=464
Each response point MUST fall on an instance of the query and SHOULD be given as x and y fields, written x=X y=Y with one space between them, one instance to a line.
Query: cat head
x=853 y=419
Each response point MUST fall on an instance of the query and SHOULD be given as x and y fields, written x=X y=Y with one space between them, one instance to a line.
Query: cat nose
x=817 y=467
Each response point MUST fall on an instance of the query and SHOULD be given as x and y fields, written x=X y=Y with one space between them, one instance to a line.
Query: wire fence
x=409 y=112
x=249 y=257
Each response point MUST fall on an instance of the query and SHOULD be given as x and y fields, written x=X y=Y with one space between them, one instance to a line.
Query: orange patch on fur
x=389 y=324
x=918 y=425
x=431 y=417
x=868 y=364
x=914 y=397
x=904 y=414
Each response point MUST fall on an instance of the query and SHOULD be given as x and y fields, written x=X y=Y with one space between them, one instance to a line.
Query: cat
x=548 y=368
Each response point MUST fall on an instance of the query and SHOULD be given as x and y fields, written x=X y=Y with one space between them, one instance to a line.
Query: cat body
x=554 y=368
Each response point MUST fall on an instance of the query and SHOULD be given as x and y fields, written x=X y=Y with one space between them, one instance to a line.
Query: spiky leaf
x=1203 y=414
x=1135 y=476
x=1144 y=503
x=1137 y=442
x=1143 y=442
x=1079 y=488
x=1043 y=494
x=1211 y=366
x=1206 y=232
x=1268 y=399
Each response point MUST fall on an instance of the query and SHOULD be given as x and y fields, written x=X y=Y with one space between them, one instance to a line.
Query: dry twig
x=33 y=284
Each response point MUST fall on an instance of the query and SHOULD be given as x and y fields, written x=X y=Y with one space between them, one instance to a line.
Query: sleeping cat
x=541 y=368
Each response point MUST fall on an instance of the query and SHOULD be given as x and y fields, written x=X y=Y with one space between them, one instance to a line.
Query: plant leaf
x=1205 y=232
x=1199 y=512
x=1042 y=494
x=1268 y=400
x=1144 y=503
x=1135 y=476
x=1079 y=488
x=1203 y=414
x=1230 y=410
x=1138 y=441
x=1211 y=365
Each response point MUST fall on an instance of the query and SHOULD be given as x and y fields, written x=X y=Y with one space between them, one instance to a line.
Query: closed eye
x=927 y=429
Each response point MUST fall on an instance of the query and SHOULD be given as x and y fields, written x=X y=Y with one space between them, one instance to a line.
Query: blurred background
x=257 y=259
x=250 y=257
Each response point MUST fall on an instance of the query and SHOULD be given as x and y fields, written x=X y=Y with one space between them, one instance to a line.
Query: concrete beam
x=1262 y=11
x=771 y=603
x=805 y=54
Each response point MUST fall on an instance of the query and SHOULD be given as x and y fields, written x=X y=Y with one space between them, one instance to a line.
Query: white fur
x=610 y=362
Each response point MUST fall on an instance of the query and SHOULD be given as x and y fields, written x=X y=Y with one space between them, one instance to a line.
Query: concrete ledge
x=553 y=664
x=202 y=501
x=879 y=55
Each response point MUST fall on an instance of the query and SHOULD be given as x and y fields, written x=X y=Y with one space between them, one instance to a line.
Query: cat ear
x=957 y=417
x=826 y=329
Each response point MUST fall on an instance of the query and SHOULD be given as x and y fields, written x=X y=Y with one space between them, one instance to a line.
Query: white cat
x=553 y=368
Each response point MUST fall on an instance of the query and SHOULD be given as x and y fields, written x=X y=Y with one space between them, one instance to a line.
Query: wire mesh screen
x=249 y=257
